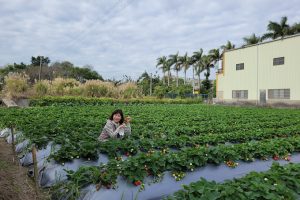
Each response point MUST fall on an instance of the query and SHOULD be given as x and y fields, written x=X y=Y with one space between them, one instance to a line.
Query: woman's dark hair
x=118 y=111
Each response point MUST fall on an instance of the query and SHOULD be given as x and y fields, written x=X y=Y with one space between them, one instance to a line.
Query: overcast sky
x=120 y=37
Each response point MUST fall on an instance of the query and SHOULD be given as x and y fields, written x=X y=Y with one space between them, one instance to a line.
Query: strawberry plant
x=180 y=140
x=277 y=183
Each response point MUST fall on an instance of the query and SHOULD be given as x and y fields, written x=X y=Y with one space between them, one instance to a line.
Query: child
x=116 y=126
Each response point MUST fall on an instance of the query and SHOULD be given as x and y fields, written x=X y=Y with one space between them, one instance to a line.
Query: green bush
x=160 y=91
x=183 y=90
x=78 y=100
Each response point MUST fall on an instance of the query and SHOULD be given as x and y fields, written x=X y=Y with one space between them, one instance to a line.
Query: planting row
x=280 y=182
x=76 y=129
x=129 y=147
x=155 y=163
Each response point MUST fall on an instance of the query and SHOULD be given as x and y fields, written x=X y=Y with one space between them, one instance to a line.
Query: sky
x=125 y=37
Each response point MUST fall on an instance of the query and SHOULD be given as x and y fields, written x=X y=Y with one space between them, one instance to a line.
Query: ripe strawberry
x=127 y=154
x=137 y=183
x=275 y=157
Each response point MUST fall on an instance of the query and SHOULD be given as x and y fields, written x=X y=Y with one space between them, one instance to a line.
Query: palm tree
x=206 y=63
x=277 y=30
x=252 y=39
x=197 y=64
x=174 y=60
x=198 y=70
x=214 y=56
x=193 y=64
x=168 y=68
x=295 y=28
x=228 y=46
x=184 y=62
x=162 y=64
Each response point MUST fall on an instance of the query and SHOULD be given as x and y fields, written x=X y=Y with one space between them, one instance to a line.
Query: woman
x=116 y=126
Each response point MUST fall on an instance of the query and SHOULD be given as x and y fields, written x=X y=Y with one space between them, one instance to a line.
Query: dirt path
x=14 y=182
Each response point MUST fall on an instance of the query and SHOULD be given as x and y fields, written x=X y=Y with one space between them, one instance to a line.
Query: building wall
x=259 y=72
x=280 y=76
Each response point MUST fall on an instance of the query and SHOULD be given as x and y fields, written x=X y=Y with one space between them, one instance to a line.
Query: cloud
x=127 y=36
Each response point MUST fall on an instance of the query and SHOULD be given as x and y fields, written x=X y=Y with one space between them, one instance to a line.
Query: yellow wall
x=267 y=76
x=280 y=76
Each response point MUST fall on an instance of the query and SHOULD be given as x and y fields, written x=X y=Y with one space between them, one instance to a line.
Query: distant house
x=264 y=73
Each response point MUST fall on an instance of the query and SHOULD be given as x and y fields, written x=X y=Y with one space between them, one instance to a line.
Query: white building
x=267 y=72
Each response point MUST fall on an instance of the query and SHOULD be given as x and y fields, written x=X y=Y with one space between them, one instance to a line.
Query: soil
x=14 y=182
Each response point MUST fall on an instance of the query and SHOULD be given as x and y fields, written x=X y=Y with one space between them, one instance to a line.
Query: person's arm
x=109 y=128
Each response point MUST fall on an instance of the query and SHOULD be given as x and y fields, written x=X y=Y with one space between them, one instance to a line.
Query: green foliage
x=82 y=73
x=280 y=182
x=36 y=61
x=181 y=91
x=76 y=101
x=200 y=134
x=143 y=83
x=206 y=86
x=215 y=89
x=160 y=91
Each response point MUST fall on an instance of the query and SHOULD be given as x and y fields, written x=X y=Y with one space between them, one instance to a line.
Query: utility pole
x=40 y=68
x=150 y=84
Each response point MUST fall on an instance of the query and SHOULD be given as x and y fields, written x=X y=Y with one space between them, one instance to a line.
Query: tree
x=83 y=74
x=163 y=65
x=168 y=68
x=206 y=63
x=174 y=60
x=197 y=64
x=295 y=28
x=277 y=30
x=227 y=46
x=184 y=62
x=67 y=69
x=214 y=56
x=35 y=61
x=252 y=39
x=20 y=66
x=40 y=61
x=144 y=82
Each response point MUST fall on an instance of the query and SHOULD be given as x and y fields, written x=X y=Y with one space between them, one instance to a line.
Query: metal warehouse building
x=265 y=73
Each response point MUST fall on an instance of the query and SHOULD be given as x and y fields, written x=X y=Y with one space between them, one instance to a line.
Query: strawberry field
x=166 y=138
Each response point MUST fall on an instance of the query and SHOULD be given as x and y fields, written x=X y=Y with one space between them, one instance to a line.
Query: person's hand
x=122 y=125
x=127 y=119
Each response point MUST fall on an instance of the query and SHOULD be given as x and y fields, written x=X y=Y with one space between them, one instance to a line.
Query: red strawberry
x=127 y=154
x=137 y=183
x=276 y=157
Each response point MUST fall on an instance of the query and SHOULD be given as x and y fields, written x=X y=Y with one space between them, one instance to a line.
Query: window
x=279 y=93
x=240 y=94
x=240 y=66
x=278 y=61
